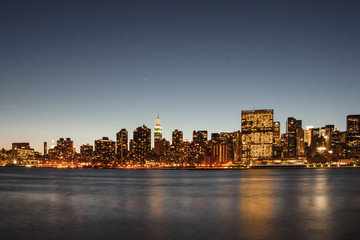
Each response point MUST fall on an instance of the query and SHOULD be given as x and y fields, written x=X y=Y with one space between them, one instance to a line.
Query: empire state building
x=158 y=137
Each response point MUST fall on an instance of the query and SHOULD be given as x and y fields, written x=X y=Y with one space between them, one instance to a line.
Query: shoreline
x=199 y=168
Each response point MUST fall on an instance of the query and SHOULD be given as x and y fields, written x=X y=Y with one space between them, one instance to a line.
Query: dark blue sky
x=86 y=69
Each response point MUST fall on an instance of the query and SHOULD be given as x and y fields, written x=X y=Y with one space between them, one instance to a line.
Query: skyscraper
x=64 y=150
x=122 y=144
x=45 y=148
x=308 y=135
x=237 y=147
x=293 y=127
x=141 y=144
x=86 y=152
x=200 y=136
x=353 y=134
x=326 y=134
x=257 y=134
x=177 y=137
x=336 y=144
x=158 y=148
x=177 y=146
x=105 y=150
x=276 y=131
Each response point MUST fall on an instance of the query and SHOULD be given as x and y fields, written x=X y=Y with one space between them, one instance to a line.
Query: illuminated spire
x=158 y=121
x=158 y=128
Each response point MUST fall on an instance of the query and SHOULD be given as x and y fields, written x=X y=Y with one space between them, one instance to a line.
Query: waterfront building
x=221 y=152
x=200 y=146
x=353 y=135
x=316 y=150
x=237 y=147
x=45 y=148
x=176 y=150
x=200 y=137
x=177 y=137
x=326 y=134
x=122 y=145
x=86 y=152
x=293 y=134
x=300 y=143
x=257 y=134
x=22 y=152
x=308 y=135
x=276 y=131
x=337 y=146
x=104 y=150
x=141 y=144
x=63 y=151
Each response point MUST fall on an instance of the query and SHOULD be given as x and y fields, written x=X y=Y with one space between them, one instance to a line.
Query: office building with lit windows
x=86 y=152
x=141 y=144
x=257 y=134
x=104 y=150
x=353 y=135
x=295 y=137
x=122 y=145
x=63 y=151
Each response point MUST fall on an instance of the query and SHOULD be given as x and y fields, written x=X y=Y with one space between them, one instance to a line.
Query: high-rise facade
x=257 y=134
x=105 y=150
x=276 y=131
x=177 y=137
x=200 y=136
x=141 y=144
x=158 y=144
x=45 y=148
x=22 y=151
x=86 y=152
x=176 y=153
x=63 y=151
x=122 y=144
x=353 y=134
x=326 y=134
x=294 y=132
x=308 y=135
x=300 y=142
x=336 y=144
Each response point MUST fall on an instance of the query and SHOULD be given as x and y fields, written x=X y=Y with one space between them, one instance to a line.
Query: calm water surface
x=175 y=204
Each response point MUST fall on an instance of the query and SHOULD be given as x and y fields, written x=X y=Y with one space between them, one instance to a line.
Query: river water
x=179 y=204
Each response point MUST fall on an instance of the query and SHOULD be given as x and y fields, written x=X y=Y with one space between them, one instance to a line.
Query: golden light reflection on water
x=261 y=204
x=156 y=197
x=315 y=204
x=256 y=208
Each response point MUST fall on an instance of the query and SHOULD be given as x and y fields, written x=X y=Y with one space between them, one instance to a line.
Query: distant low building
x=63 y=151
x=22 y=152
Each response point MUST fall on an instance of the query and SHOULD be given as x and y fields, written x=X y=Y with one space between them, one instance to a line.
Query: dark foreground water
x=175 y=204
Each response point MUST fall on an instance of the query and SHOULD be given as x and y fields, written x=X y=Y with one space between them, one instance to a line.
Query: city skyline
x=259 y=143
x=87 y=70
x=154 y=130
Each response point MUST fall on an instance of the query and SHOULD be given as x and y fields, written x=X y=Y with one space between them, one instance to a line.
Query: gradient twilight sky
x=86 y=69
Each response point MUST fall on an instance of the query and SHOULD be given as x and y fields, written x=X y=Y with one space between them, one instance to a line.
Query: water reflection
x=260 y=204
x=256 y=207
x=314 y=205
